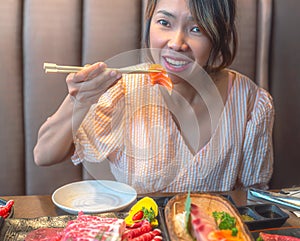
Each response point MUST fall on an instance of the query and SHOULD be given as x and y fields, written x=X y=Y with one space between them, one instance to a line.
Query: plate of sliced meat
x=281 y=234
x=104 y=226
x=67 y=227
x=94 y=196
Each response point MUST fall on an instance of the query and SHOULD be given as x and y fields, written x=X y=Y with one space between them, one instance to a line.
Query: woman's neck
x=220 y=79
x=187 y=104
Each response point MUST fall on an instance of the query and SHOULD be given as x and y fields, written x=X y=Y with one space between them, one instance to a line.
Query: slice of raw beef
x=85 y=227
x=276 y=237
x=90 y=228
x=44 y=234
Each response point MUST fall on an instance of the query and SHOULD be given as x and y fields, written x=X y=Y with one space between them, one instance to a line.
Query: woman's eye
x=196 y=30
x=163 y=22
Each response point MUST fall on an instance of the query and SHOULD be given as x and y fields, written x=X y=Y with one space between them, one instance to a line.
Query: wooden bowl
x=209 y=203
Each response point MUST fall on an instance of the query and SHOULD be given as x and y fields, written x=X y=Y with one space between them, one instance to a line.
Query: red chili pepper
x=4 y=210
x=138 y=216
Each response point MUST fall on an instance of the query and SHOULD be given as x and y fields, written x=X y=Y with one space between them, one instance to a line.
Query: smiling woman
x=29 y=96
x=208 y=129
x=198 y=25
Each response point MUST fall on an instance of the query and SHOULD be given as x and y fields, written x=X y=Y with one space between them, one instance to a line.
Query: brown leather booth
x=77 y=32
x=285 y=87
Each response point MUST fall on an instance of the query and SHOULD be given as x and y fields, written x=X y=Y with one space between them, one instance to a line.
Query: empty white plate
x=94 y=196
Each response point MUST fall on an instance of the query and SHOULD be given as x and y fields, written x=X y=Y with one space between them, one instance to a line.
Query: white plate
x=94 y=196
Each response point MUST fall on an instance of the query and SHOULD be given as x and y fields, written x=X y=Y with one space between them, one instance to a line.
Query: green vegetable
x=149 y=214
x=226 y=222
x=188 y=210
x=259 y=239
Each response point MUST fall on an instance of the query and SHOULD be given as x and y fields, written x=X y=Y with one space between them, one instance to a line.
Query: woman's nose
x=177 y=41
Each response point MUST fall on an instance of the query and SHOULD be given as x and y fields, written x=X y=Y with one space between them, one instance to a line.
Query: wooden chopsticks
x=54 y=68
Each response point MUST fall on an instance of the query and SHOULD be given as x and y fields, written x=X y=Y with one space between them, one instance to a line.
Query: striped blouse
x=133 y=128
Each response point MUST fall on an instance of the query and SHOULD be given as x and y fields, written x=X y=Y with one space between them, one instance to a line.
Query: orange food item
x=220 y=235
x=161 y=77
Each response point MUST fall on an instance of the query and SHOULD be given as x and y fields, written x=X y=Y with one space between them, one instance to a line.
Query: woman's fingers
x=92 y=81
x=89 y=72
x=74 y=79
x=70 y=83
x=100 y=81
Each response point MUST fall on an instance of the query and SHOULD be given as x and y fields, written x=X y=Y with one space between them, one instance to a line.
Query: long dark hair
x=217 y=19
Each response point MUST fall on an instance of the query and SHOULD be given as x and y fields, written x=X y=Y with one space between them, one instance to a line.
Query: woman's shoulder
x=241 y=79
x=259 y=100
x=245 y=83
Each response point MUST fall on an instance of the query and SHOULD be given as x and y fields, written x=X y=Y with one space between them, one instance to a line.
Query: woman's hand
x=89 y=84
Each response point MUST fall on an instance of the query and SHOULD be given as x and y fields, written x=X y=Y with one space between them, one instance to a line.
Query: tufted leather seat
x=76 y=32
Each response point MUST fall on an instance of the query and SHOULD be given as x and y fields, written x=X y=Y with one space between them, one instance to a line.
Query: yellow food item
x=150 y=209
x=246 y=217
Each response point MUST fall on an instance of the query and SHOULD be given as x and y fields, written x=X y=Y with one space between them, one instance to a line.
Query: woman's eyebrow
x=166 y=13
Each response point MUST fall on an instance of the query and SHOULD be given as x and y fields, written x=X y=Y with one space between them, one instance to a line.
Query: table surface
x=42 y=205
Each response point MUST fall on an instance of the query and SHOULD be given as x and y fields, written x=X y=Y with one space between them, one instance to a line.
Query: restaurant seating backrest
x=77 y=32
x=71 y=32
x=285 y=87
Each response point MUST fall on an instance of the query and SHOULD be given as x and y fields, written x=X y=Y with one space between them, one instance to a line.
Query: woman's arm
x=257 y=165
x=55 y=141
x=55 y=137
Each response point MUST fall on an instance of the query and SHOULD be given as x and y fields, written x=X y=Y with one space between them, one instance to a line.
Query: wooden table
x=37 y=206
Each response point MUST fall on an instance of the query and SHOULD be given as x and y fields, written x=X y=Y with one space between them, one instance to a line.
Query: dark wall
x=285 y=89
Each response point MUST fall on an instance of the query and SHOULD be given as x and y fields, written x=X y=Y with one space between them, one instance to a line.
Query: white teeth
x=177 y=63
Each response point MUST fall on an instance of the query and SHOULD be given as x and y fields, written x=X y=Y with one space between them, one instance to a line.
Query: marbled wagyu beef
x=85 y=227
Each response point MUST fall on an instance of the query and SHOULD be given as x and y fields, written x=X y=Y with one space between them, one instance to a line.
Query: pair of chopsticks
x=54 y=68
x=278 y=198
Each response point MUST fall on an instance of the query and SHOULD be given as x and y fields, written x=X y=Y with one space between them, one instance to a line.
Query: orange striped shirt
x=133 y=127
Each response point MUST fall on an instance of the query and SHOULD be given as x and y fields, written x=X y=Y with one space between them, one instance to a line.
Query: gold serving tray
x=208 y=202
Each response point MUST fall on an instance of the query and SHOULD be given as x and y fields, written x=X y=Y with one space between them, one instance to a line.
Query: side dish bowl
x=262 y=216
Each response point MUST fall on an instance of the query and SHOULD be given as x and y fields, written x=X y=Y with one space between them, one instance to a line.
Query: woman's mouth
x=175 y=65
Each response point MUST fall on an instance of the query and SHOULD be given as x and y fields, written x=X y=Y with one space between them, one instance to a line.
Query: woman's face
x=174 y=31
